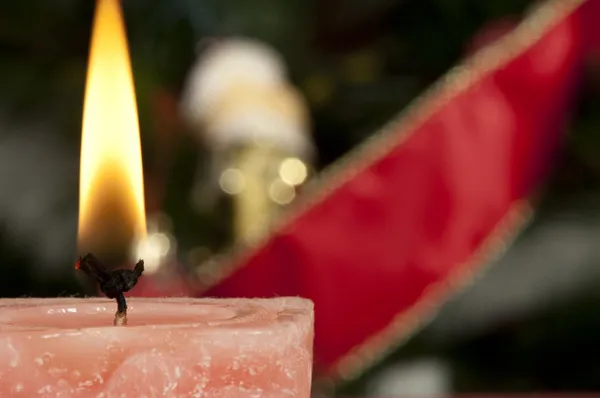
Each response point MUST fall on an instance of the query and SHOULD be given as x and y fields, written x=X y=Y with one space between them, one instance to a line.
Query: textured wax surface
x=229 y=348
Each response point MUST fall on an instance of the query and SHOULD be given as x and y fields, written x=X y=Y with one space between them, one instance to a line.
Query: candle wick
x=113 y=284
x=121 y=303
x=120 y=318
x=121 y=314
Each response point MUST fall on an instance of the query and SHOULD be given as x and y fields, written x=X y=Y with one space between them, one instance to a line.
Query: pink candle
x=230 y=348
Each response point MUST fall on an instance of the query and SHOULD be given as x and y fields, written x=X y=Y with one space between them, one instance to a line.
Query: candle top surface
x=55 y=314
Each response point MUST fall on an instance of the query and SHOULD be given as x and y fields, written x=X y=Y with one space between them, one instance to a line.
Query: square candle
x=209 y=348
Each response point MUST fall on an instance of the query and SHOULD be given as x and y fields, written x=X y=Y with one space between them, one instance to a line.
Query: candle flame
x=111 y=190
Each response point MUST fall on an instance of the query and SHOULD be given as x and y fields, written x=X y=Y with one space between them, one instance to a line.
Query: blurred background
x=530 y=323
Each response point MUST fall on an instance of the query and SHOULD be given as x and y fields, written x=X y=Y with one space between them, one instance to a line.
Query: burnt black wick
x=113 y=283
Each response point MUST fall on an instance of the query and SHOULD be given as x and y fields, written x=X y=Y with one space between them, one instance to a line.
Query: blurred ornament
x=253 y=114
x=261 y=181
x=222 y=67
x=257 y=127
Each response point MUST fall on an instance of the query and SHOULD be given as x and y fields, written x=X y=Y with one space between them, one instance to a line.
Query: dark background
x=358 y=63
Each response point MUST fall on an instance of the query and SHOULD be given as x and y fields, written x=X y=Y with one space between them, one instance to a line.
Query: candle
x=69 y=348
x=238 y=98
x=171 y=348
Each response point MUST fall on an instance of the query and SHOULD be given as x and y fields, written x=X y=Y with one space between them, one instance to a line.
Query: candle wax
x=229 y=348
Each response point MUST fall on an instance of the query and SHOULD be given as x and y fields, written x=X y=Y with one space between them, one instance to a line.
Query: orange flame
x=111 y=190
